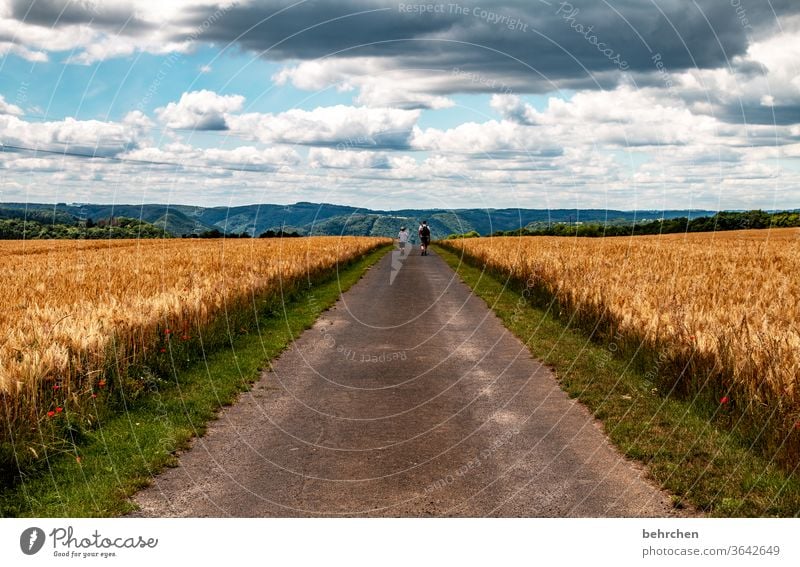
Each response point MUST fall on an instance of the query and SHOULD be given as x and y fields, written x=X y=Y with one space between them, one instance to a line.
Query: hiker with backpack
x=424 y=237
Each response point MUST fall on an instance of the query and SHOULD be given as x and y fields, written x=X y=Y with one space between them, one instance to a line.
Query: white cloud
x=766 y=76
x=378 y=84
x=623 y=117
x=485 y=139
x=91 y=137
x=155 y=23
x=8 y=108
x=511 y=107
x=341 y=126
x=138 y=120
x=7 y=47
x=35 y=164
x=345 y=159
x=378 y=91
x=114 y=46
x=245 y=158
x=200 y=110
x=318 y=75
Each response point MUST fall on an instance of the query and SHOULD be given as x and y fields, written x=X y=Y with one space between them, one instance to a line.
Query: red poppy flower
x=163 y=350
x=186 y=337
x=94 y=396
x=51 y=413
x=59 y=409
x=102 y=383
x=724 y=400
x=56 y=387
x=167 y=331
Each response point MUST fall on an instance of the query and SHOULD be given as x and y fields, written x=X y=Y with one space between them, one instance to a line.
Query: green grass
x=97 y=476
x=700 y=462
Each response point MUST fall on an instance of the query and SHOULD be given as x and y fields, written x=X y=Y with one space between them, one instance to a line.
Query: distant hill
x=324 y=218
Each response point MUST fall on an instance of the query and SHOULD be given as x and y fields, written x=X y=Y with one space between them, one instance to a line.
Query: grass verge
x=97 y=476
x=701 y=464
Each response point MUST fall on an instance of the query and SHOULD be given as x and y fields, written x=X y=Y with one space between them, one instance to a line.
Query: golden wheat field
x=729 y=299
x=70 y=310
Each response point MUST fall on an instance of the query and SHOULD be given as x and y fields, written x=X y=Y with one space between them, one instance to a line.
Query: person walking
x=424 y=237
x=402 y=238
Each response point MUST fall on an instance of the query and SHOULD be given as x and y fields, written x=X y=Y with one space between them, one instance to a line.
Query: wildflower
x=51 y=413
x=167 y=331
x=163 y=350
x=94 y=396
x=78 y=460
x=102 y=383
x=56 y=387
x=185 y=337
x=59 y=409
x=724 y=400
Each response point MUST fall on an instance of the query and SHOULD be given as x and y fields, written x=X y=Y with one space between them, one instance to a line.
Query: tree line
x=216 y=233
x=117 y=227
x=112 y=228
x=718 y=222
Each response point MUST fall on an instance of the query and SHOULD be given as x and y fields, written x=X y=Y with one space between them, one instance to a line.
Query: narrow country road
x=408 y=398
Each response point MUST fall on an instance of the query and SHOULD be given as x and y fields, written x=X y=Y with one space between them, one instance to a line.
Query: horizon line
x=357 y=208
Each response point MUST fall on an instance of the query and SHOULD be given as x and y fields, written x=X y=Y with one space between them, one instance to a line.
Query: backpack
x=425 y=232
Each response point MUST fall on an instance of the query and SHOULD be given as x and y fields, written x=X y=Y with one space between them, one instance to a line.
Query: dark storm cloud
x=55 y=13
x=748 y=68
x=750 y=114
x=527 y=41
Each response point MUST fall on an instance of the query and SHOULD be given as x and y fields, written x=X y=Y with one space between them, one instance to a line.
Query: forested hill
x=322 y=218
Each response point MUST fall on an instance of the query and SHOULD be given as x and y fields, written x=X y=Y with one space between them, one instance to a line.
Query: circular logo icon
x=31 y=541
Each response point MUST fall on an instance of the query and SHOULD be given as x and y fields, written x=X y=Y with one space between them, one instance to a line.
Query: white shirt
x=403 y=236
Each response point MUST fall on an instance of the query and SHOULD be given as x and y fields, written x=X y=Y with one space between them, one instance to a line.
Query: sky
x=623 y=104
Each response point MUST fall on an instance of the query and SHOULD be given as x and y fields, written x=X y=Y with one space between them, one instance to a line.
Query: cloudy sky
x=629 y=104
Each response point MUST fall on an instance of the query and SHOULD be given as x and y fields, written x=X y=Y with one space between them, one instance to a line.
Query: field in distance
x=710 y=316
x=90 y=324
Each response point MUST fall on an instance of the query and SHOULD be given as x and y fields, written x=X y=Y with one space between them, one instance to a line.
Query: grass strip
x=99 y=474
x=705 y=466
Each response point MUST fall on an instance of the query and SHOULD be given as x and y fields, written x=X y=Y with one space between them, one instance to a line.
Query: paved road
x=408 y=398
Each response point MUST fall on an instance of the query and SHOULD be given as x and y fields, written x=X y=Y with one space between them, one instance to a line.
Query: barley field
x=76 y=316
x=721 y=311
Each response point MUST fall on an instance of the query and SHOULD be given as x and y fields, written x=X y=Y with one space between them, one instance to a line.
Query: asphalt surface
x=408 y=398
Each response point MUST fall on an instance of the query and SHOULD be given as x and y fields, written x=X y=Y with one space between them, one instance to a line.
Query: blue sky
x=216 y=103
